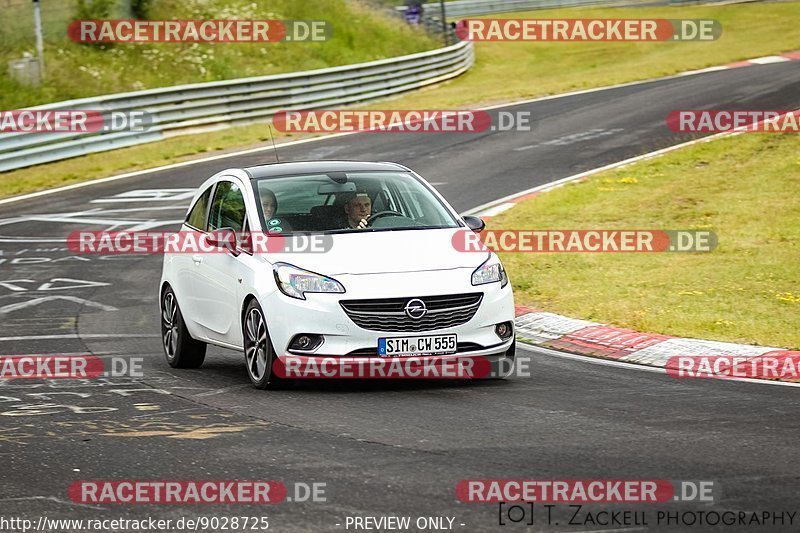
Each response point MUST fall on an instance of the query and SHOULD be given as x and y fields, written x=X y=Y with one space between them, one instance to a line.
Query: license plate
x=428 y=345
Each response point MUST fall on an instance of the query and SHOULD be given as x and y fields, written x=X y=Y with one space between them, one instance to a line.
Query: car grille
x=387 y=314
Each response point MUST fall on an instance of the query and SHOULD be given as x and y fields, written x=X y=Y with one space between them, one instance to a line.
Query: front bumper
x=321 y=313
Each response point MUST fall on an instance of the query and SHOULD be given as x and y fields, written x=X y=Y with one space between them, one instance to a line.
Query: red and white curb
x=766 y=60
x=592 y=339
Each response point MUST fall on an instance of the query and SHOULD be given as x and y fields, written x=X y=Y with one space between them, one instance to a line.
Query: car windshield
x=342 y=202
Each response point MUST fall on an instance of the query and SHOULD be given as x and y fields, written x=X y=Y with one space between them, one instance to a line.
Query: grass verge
x=525 y=69
x=77 y=70
x=743 y=188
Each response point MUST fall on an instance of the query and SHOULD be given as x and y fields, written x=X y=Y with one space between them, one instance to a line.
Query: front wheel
x=181 y=350
x=259 y=355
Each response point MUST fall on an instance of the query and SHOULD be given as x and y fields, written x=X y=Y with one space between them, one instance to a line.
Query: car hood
x=383 y=252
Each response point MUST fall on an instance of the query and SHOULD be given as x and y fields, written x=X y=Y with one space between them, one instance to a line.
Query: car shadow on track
x=229 y=370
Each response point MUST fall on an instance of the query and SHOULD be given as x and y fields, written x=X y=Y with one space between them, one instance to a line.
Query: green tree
x=93 y=9
x=140 y=9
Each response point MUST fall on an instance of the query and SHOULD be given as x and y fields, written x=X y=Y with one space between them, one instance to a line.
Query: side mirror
x=474 y=223
x=223 y=238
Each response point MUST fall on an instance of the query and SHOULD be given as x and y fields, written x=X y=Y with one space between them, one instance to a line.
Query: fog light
x=306 y=342
x=504 y=330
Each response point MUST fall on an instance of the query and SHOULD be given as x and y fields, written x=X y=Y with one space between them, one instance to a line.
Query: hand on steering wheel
x=380 y=214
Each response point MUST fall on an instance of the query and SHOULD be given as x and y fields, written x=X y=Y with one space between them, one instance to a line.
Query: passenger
x=269 y=205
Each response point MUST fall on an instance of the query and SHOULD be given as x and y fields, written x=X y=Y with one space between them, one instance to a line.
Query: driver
x=358 y=209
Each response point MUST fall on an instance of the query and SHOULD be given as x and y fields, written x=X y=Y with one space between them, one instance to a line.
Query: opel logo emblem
x=415 y=309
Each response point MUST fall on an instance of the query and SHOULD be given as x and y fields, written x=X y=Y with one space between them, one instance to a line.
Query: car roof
x=319 y=167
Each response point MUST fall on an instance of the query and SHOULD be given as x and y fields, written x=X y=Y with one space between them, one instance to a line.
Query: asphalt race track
x=380 y=448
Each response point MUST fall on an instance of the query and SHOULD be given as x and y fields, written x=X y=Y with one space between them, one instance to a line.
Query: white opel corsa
x=394 y=287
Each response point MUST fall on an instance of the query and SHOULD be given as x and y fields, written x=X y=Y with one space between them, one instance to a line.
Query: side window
x=197 y=216
x=227 y=208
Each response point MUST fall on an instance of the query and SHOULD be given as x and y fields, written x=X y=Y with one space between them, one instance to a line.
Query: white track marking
x=37 y=301
x=496 y=210
x=703 y=70
x=82 y=336
x=766 y=60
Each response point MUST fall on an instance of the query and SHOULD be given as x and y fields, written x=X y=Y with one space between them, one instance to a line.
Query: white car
x=374 y=291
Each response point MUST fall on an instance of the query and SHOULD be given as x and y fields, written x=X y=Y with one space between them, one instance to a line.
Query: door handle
x=197 y=258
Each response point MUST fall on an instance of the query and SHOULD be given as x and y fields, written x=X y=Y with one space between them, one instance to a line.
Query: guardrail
x=466 y=8
x=186 y=109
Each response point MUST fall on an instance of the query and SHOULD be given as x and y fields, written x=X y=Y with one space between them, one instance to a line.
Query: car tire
x=259 y=354
x=180 y=349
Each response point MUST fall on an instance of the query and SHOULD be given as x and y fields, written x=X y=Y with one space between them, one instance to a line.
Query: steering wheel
x=380 y=214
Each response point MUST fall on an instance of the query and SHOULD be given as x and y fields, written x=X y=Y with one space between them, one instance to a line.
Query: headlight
x=490 y=273
x=295 y=282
